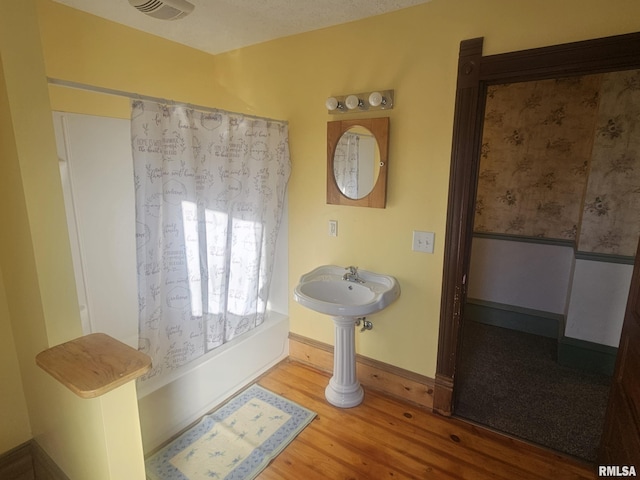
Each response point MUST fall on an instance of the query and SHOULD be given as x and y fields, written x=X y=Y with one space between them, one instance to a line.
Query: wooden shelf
x=93 y=365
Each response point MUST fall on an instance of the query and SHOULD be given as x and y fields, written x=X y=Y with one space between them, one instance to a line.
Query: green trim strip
x=580 y=255
x=572 y=352
x=583 y=355
x=521 y=238
x=516 y=309
x=604 y=257
x=528 y=320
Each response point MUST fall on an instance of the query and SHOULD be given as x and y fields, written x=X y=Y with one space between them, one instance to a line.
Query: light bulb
x=376 y=99
x=332 y=103
x=352 y=101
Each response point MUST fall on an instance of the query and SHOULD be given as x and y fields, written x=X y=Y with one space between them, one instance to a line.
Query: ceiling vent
x=164 y=9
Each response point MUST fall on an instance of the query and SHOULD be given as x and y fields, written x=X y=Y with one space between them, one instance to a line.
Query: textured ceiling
x=217 y=26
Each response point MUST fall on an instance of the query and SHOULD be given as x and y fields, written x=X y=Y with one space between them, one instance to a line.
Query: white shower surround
x=95 y=161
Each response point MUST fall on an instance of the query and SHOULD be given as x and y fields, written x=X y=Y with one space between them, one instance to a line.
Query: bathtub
x=177 y=400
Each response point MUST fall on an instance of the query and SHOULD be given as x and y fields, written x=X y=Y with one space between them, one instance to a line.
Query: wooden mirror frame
x=377 y=198
x=475 y=73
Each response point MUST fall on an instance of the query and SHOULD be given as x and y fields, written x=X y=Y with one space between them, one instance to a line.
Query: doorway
x=547 y=154
x=475 y=74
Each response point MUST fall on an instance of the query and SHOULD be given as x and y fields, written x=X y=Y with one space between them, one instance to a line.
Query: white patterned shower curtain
x=209 y=197
x=345 y=164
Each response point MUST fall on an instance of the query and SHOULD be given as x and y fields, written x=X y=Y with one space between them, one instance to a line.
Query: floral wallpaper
x=611 y=210
x=560 y=160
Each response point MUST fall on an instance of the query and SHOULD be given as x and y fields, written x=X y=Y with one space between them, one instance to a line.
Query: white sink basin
x=324 y=290
x=346 y=296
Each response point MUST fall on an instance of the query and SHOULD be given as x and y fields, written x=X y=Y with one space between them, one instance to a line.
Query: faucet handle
x=352 y=273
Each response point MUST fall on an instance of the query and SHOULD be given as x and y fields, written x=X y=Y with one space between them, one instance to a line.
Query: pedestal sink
x=346 y=294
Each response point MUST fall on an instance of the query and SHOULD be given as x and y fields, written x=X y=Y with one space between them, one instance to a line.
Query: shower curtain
x=345 y=164
x=209 y=190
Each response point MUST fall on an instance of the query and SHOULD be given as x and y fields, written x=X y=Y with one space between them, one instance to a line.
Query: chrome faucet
x=352 y=275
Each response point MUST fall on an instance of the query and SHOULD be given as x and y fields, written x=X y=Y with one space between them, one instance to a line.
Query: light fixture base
x=367 y=101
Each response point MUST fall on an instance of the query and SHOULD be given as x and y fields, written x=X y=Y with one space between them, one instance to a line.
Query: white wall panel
x=522 y=274
x=598 y=300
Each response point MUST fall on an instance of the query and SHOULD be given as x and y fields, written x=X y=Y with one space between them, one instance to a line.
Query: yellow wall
x=86 y=49
x=14 y=425
x=14 y=422
x=413 y=51
x=38 y=284
x=22 y=312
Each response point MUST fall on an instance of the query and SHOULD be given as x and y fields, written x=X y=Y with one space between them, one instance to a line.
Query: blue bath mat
x=236 y=442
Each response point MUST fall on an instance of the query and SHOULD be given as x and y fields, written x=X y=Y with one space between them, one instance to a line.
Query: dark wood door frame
x=475 y=73
x=620 y=443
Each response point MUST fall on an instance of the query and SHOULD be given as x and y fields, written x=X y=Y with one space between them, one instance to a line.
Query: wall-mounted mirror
x=357 y=156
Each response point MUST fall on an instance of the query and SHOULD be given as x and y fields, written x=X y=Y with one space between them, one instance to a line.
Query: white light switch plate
x=423 y=241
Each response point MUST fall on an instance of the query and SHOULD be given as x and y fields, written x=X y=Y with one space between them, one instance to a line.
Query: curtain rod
x=136 y=96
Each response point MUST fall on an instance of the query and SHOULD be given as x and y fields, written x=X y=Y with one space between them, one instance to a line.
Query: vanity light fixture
x=360 y=102
x=376 y=99
x=353 y=102
x=332 y=104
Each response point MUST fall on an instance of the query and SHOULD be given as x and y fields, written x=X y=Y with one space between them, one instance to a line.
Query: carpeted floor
x=510 y=381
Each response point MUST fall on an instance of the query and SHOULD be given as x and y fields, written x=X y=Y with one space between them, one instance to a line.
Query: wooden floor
x=387 y=439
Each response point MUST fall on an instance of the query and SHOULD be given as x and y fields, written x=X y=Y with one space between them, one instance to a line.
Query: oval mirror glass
x=356 y=162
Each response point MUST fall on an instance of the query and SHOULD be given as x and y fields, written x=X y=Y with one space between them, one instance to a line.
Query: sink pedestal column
x=344 y=390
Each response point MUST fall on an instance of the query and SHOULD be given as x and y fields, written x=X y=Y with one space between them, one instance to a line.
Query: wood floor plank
x=472 y=440
x=378 y=414
x=362 y=441
x=384 y=438
x=417 y=450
